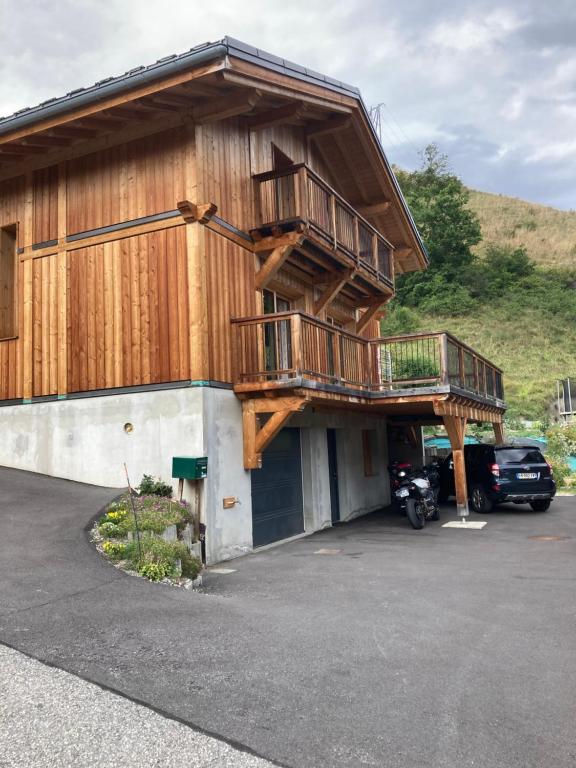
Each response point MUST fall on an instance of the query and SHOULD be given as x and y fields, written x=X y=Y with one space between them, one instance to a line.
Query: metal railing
x=291 y=345
x=297 y=194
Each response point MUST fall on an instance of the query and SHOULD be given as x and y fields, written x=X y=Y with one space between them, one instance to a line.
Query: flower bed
x=145 y=548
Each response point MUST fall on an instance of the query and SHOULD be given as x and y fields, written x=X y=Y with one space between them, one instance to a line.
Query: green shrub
x=157 y=559
x=560 y=468
x=154 y=513
x=418 y=368
x=115 y=550
x=150 y=486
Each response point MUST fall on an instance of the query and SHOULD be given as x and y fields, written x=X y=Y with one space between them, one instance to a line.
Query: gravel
x=52 y=718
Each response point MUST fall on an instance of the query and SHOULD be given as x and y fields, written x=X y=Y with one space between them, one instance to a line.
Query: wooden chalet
x=194 y=257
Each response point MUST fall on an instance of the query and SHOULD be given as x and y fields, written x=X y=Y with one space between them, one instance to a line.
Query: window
x=277 y=342
x=8 y=282
x=370 y=452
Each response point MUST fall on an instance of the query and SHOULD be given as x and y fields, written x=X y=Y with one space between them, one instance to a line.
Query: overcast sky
x=494 y=84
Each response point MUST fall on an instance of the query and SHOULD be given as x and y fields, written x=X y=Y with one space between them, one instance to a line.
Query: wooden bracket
x=332 y=289
x=368 y=315
x=274 y=263
x=192 y=212
x=257 y=438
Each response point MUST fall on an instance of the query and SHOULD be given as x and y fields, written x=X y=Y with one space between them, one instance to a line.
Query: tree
x=437 y=199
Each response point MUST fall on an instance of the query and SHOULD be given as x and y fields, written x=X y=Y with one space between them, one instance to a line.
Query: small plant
x=109 y=529
x=115 y=550
x=155 y=571
x=150 y=486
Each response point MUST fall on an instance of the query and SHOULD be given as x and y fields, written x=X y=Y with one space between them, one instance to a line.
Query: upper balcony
x=296 y=198
x=292 y=350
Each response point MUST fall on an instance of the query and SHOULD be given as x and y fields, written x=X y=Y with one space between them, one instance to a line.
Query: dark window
x=519 y=456
x=8 y=282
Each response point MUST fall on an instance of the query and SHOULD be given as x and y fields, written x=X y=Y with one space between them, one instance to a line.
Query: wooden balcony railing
x=291 y=345
x=297 y=194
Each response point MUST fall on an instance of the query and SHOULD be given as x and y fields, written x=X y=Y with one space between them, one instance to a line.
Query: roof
x=167 y=65
x=201 y=54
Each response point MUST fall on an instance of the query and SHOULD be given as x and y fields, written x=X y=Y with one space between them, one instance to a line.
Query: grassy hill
x=548 y=234
x=530 y=331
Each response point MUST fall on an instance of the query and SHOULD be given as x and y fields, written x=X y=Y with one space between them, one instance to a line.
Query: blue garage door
x=277 y=511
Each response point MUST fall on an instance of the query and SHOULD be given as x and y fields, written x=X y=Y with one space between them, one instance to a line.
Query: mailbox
x=189 y=467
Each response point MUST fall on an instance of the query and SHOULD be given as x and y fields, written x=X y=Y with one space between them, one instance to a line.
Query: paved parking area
x=365 y=645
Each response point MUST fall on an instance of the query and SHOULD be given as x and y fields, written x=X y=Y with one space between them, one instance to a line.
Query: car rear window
x=519 y=456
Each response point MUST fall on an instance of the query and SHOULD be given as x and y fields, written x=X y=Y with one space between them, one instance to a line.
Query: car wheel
x=479 y=501
x=540 y=506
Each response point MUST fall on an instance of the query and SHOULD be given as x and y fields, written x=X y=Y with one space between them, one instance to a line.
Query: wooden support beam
x=271 y=243
x=286 y=112
x=272 y=265
x=273 y=404
x=256 y=439
x=456 y=428
x=332 y=290
x=402 y=253
x=229 y=106
x=368 y=315
x=375 y=209
x=331 y=125
x=191 y=212
x=498 y=427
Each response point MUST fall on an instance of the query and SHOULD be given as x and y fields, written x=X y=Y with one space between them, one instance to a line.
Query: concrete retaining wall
x=84 y=439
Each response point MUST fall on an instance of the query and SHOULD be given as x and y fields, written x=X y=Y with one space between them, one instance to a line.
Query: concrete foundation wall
x=229 y=531
x=85 y=439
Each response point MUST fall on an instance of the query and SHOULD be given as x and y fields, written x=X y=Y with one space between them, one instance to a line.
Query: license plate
x=403 y=492
x=527 y=476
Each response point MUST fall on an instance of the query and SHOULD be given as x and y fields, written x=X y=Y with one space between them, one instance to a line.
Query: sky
x=492 y=83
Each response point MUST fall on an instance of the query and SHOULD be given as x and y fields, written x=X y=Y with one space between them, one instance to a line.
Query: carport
x=454 y=412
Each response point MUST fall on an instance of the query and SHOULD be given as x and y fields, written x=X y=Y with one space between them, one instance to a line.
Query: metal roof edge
x=163 y=68
x=106 y=88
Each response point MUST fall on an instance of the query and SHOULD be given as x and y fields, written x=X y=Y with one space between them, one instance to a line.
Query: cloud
x=493 y=82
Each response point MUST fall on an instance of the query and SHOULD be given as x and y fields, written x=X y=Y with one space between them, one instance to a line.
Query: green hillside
x=502 y=279
x=549 y=235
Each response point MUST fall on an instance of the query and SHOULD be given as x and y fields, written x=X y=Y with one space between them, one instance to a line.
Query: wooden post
x=296 y=338
x=456 y=429
x=198 y=338
x=444 y=376
x=498 y=427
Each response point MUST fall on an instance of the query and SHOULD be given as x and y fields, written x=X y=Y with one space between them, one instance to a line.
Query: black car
x=498 y=473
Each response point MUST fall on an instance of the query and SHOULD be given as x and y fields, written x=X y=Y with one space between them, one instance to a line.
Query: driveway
x=369 y=644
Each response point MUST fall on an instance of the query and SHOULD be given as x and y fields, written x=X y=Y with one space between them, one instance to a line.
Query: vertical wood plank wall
x=117 y=314
x=109 y=315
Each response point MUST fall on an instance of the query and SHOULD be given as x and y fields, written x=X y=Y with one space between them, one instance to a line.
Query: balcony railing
x=293 y=345
x=297 y=194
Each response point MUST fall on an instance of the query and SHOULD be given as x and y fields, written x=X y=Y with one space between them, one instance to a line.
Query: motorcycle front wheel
x=416 y=513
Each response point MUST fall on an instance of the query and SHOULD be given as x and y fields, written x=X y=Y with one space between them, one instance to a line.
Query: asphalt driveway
x=365 y=645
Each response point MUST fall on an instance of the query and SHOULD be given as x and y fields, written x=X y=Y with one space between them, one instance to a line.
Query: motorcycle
x=413 y=494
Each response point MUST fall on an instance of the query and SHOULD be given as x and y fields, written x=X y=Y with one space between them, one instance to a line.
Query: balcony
x=298 y=198
x=292 y=350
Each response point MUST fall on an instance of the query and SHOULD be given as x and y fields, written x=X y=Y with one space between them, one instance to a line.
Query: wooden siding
x=45 y=190
x=230 y=272
x=128 y=181
x=127 y=304
x=119 y=313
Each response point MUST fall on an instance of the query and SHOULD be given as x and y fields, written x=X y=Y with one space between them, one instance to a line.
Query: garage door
x=277 y=511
